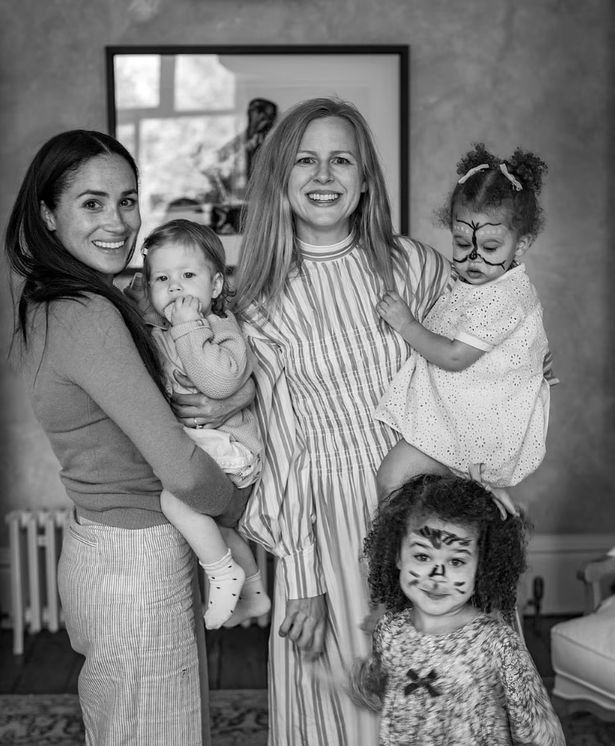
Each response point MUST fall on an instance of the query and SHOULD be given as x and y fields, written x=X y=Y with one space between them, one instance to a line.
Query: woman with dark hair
x=125 y=574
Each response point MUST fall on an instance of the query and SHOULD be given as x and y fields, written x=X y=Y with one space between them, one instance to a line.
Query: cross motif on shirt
x=417 y=682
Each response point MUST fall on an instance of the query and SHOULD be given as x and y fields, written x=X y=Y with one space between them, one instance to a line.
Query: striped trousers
x=127 y=597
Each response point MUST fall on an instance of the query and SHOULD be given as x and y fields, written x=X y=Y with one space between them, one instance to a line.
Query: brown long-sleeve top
x=115 y=436
x=214 y=354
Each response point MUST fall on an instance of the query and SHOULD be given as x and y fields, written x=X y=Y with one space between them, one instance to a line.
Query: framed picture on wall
x=194 y=117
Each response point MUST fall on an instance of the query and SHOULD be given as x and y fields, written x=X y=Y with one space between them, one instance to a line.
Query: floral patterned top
x=476 y=686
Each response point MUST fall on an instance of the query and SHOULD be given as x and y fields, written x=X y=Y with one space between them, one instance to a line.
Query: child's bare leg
x=253 y=599
x=225 y=576
x=240 y=549
x=200 y=531
x=401 y=463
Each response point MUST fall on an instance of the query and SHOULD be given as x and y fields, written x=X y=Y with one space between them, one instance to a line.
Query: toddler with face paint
x=447 y=666
x=473 y=391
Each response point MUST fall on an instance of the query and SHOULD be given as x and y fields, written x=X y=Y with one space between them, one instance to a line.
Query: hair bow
x=473 y=171
x=515 y=182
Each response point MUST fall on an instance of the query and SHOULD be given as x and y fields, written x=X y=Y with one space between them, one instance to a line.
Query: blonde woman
x=318 y=251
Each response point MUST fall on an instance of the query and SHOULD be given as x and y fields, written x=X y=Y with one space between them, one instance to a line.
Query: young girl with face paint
x=446 y=665
x=473 y=391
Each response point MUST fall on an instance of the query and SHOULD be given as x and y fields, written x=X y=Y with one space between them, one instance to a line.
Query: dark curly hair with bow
x=501 y=542
x=490 y=189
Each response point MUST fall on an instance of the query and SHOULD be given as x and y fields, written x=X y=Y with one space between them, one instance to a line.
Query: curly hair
x=188 y=233
x=501 y=543
x=489 y=189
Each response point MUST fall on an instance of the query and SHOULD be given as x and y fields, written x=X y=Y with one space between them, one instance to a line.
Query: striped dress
x=324 y=360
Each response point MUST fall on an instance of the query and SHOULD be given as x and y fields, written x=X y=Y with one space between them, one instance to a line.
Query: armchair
x=583 y=649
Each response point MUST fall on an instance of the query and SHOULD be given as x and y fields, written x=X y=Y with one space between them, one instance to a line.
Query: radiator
x=35 y=540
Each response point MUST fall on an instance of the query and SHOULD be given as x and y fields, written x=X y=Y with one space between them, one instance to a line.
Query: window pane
x=137 y=81
x=202 y=83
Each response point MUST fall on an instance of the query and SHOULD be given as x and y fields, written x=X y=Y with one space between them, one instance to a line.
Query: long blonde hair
x=269 y=251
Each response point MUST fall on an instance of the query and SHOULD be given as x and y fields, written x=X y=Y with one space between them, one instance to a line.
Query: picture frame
x=194 y=116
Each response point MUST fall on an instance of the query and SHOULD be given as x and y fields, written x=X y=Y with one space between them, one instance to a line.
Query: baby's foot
x=225 y=581
x=253 y=602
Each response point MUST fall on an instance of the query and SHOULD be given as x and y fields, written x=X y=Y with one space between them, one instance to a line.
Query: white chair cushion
x=583 y=649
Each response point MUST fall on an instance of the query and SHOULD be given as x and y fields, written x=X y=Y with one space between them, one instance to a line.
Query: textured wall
x=533 y=72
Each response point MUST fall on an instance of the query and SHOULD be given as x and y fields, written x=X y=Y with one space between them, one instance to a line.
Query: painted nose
x=437 y=571
x=474 y=255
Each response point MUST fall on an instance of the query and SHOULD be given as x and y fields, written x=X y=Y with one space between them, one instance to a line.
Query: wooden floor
x=237 y=659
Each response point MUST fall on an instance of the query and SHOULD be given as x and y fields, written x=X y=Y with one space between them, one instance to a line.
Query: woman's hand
x=305 y=623
x=198 y=410
x=395 y=311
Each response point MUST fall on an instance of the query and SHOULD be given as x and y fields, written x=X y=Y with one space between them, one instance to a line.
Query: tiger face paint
x=437 y=567
x=484 y=247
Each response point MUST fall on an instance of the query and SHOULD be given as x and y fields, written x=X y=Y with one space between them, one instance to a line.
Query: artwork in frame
x=194 y=116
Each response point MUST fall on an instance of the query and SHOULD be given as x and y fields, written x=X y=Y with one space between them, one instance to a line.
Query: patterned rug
x=239 y=717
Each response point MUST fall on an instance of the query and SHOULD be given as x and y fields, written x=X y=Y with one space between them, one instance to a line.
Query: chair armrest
x=593 y=574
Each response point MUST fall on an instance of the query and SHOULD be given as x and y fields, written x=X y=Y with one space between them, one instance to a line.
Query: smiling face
x=97 y=216
x=437 y=568
x=325 y=182
x=179 y=270
x=484 y=246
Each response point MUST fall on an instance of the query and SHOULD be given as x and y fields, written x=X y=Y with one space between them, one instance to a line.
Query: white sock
x=253 y=601
x=225 y=578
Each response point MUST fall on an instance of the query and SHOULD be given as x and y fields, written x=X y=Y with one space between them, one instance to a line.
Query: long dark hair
x=35 y=253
